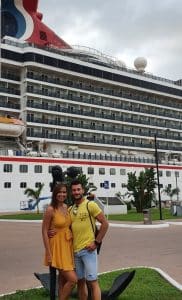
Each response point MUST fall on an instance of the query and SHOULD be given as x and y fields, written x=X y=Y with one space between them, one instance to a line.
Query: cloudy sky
x=125 y=29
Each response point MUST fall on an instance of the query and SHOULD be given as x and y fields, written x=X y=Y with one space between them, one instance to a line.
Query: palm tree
x=141 y=188
x=35 y=194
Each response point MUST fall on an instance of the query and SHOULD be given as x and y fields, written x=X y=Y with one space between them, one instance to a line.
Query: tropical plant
x=141 y=188
x=35 y=194
x=171 y=192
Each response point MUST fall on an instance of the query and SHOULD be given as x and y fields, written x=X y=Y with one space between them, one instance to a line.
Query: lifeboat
x=11 y=127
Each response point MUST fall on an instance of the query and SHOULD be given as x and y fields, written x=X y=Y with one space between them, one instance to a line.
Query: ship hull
x=13 y=198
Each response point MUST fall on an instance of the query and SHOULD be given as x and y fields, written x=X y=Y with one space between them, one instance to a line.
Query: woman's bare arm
x=45 y=227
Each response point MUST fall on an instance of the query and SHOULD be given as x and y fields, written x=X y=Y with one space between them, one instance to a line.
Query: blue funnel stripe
x=10 y=9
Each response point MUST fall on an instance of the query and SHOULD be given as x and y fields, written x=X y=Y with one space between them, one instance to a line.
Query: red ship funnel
x=21 y=19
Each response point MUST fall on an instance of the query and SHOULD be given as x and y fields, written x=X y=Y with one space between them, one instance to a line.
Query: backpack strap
x=90 y=218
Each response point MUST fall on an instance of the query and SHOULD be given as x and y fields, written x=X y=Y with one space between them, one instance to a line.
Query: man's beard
x=77 y=197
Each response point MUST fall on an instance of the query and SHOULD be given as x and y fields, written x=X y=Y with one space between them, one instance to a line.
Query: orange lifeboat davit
x=11 y=127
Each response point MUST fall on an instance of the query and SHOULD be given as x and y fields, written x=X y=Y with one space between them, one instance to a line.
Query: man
x=84 y=242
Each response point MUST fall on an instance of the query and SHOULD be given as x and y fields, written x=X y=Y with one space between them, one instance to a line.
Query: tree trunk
x=37 y=208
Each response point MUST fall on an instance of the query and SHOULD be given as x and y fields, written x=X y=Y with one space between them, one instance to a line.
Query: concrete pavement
x=125 y=245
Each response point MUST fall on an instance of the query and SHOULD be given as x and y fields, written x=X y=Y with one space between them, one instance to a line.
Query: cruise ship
x=74 y=106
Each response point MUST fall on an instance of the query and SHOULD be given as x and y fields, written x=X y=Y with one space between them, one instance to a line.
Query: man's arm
x=103 y=227
x=102 y=231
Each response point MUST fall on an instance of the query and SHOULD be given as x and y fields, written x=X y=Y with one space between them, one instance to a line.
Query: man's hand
x=49 y=259
x=91 y=247
x=51 y=233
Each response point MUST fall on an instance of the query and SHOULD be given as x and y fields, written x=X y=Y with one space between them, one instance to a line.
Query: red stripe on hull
x=86 y=162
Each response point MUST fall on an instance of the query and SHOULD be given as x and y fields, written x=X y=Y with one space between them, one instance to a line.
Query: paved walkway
x=125 y=245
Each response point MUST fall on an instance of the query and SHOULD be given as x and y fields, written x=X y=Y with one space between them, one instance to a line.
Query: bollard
x=147 y=216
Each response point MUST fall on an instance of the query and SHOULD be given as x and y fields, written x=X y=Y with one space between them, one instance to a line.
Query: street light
x=177 y=190
x=157 y=169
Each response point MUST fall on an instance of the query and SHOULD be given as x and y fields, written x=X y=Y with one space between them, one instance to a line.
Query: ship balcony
x=104 y=116
x=60 y=136
x=101 y=128
x=100 y=90
x=10 y=76
x=121 y=106
x=9 y=91
x=10 y=105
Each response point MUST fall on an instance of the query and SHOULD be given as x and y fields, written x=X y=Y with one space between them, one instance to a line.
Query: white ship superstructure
x=86 y=109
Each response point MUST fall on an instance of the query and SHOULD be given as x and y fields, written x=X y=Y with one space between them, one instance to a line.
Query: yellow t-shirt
x=81 y=226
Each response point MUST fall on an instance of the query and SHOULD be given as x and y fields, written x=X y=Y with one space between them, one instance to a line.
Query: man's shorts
x=86 y=264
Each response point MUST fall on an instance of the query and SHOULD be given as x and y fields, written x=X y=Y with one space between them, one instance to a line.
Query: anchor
x=49 y=282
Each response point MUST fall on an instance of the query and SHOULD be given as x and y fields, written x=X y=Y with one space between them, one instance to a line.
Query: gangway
x=31 y=204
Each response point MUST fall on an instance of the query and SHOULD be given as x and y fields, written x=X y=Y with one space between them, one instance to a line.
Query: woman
x=59 y=249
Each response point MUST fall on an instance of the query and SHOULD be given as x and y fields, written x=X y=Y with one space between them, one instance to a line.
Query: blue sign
x=106 y=184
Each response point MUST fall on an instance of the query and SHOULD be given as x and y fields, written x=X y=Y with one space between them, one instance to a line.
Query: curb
x=148 y=226
x=119 y=225
x=174 y=223
x=20 y=221
x=160 y=271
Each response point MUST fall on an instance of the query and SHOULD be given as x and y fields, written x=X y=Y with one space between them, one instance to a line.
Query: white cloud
x=126 y=29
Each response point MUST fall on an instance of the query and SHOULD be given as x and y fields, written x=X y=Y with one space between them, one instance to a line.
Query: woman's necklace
x=63 y=210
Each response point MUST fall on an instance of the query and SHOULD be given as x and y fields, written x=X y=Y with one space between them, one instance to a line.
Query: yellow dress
x=61 y=244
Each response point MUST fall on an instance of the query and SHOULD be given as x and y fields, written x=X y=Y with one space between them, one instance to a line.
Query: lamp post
x=157 y=169
x=177 y=191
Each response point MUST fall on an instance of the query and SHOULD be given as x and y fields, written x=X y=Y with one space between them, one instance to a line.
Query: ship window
x=176 y=174
x=160 y=173
x=80 y=170
x=90 y=170
x=161 y=186
x=113 y=185
x=7 y=185
x=23 y=169
x=102 y=184
x=123 y=185
x=168 y=173
x=38 y=169
x=70 y=83
x=112 y=171
x=43 y=35
x=169 y=185
x=50 y=169
x=8 y=168
x=122 y=171
x=23 y=185
x=37 y=184
x=102 y=171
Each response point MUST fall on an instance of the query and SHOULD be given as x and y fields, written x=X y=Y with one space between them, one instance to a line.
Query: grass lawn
x=146 y=285
x=130 y=216
x=136 y=217
x=23 y=216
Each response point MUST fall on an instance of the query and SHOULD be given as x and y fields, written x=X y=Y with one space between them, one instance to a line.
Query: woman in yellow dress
x=59 y=248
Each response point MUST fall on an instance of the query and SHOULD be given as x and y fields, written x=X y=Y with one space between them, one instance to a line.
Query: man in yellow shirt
x=84 y=242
